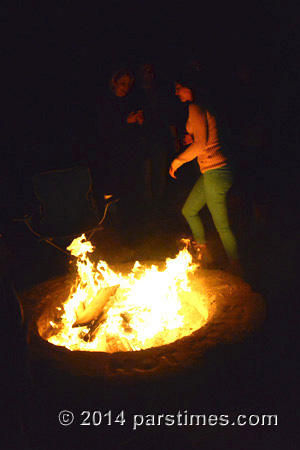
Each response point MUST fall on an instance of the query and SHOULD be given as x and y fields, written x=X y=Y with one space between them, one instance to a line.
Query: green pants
x=211 y=189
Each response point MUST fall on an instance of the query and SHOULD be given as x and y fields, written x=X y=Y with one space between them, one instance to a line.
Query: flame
x=150 y=307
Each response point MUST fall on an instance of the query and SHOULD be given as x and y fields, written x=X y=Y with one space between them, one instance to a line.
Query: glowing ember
x=107 y=311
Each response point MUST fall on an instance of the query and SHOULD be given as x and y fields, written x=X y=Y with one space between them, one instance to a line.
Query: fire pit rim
x=168 y=358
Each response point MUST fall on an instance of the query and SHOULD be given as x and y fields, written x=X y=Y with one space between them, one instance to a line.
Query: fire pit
x=110 y=337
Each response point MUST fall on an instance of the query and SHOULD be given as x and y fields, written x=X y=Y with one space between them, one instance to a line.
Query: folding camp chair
x=67 y=207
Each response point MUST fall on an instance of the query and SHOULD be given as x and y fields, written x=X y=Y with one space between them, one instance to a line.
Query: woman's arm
x=198 y=124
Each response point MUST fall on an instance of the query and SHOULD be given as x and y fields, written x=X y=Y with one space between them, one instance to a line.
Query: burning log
x=95 y=308
x=118 y=343
x=94 y=327
x=123 y=342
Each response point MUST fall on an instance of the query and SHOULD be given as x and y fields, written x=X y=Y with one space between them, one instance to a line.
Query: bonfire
x=109 y=311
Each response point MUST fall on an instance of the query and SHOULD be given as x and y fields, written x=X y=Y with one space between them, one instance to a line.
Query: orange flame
x=150 y=307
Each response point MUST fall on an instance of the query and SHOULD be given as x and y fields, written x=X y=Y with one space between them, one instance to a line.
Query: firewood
x=95 y=308
x=94 y=328
x=117 y=343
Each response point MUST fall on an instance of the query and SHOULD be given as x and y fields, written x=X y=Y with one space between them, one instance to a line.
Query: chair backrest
x=65 y=203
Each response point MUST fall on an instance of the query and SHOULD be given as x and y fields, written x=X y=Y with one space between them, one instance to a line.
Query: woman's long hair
x=203 y=97
x=195 y=80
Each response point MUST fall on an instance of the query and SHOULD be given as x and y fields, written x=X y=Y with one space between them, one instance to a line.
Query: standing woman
x=216 y=179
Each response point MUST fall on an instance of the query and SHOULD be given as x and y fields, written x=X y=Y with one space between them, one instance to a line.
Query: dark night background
x=57 y=60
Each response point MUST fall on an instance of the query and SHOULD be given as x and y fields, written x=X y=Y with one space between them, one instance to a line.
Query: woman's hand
x=174 y=166
x=140 y=117
x=188 y=139
x=134 y=117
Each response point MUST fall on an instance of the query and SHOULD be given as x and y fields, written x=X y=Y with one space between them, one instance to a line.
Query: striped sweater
x=206 y=146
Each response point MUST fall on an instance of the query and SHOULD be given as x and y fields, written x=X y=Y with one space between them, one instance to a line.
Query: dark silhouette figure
x=156 y=135
x=115 y=158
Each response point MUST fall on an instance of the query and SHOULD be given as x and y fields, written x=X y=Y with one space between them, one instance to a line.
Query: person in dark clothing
x=156 y=135
x=114 y=161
